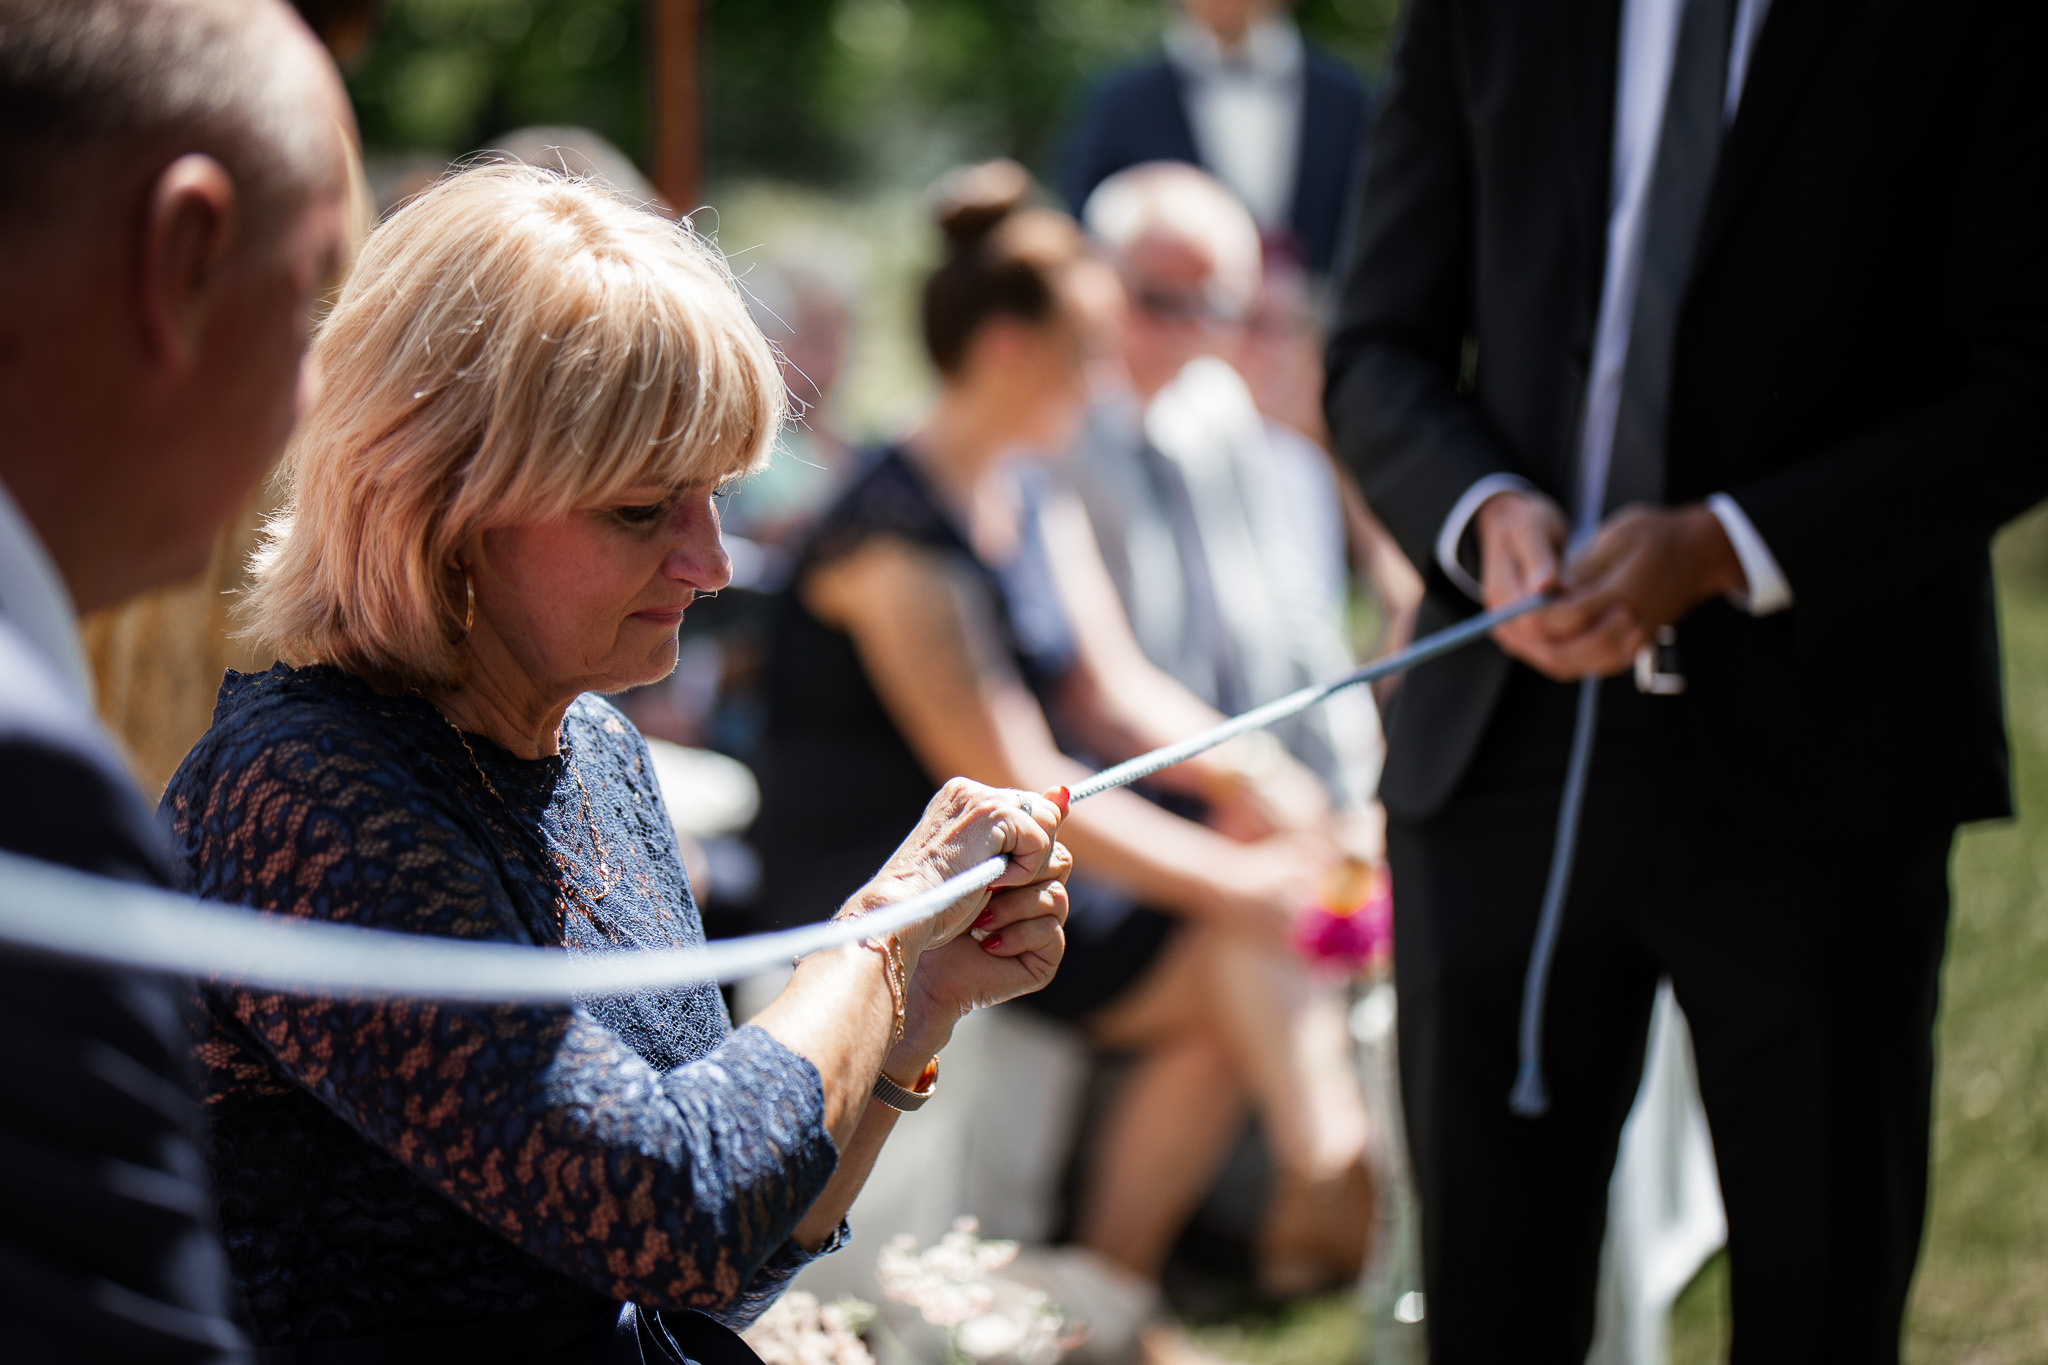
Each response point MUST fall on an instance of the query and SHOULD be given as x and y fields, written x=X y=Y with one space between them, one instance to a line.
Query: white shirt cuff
x=1462 y=511
x=1768 y=591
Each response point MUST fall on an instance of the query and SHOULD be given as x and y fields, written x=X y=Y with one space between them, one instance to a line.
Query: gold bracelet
x=893 y=974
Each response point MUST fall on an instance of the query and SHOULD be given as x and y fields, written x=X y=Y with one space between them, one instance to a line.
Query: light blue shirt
x=33 y=597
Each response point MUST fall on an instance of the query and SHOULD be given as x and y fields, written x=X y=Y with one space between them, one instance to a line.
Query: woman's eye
x=648 y=514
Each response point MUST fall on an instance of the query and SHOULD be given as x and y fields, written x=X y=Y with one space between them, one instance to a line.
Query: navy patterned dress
x=406 y=1168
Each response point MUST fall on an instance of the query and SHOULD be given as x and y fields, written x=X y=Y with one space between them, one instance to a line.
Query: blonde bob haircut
x=513 y=344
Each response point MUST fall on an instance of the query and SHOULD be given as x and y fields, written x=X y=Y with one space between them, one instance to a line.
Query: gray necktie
x=1688 y=147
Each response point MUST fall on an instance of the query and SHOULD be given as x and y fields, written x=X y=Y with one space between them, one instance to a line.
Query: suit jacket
x=107 y=1247
x=1862 y=363
x=1139 y=114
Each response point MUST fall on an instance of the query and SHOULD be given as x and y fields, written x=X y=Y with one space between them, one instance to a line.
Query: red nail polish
x=992 y=942
x=987 y=918
x=1065 y=798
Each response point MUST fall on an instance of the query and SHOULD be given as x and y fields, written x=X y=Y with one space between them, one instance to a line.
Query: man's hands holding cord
x=1646 y=568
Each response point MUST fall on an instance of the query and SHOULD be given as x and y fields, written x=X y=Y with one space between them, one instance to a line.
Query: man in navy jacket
x=1240 y=94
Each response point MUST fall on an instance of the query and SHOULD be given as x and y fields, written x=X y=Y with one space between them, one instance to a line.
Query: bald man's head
x=1188 y=255
x=97 y=95
x=1172 y=202
x=172 y=197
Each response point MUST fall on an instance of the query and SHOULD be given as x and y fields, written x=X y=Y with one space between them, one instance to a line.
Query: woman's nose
x=697 y=558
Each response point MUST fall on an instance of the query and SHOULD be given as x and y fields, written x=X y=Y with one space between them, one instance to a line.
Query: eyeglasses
x=1183 y=307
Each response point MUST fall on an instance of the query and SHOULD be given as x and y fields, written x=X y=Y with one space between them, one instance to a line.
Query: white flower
x=950 y=1285
x=796 y=1330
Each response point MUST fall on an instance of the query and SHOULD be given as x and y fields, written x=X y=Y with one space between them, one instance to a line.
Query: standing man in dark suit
x=171 y=195
x=1238 y=93
x=1753 y=294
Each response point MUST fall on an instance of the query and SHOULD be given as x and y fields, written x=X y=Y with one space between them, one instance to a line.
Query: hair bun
x=975 y=199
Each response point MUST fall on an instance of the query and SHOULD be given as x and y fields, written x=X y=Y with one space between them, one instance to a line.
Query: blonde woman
x=500 y=505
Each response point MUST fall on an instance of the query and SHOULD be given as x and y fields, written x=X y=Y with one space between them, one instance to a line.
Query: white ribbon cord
x=53 y=910
x=1530 y=1097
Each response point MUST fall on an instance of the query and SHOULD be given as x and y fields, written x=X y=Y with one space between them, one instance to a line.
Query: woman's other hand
x=1271 y=793
x=964 y=824
x=1268 y=884
x=1013 y=948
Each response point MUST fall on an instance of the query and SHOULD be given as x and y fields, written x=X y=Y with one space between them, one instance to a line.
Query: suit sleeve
x=107 y=1247
x=1909 y=493
x=1398 y=420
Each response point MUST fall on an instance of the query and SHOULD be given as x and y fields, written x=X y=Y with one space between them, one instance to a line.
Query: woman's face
x=1047 y=372
x=590 y=601
x=1045 y=368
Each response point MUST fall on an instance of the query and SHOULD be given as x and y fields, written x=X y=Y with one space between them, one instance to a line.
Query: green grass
x=1982 y=1293
x=1324 y=1331
x=1699 y=1320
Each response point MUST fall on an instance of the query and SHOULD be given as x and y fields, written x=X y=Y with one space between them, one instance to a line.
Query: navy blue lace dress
x=399 y=1171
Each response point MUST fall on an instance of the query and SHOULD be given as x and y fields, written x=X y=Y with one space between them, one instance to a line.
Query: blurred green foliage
x=837 y=93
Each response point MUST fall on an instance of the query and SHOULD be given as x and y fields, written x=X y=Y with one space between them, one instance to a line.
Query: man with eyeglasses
x=1222 y=529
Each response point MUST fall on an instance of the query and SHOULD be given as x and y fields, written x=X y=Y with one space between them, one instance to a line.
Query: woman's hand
x=1013 y=948
x=1268 y=884
x=1281 y=795
x=964 y=824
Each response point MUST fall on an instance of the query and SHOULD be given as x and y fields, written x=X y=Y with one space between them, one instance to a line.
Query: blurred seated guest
x=171 y=200
x=952 y=614
x=579 y=152
x=1281 y=359
x=1223 y=529
x=501 y=503
x=1239 y=93
x=804 y=312
x=1281 y=352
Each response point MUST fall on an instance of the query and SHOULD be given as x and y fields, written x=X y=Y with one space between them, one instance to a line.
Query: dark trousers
x=1808 y=974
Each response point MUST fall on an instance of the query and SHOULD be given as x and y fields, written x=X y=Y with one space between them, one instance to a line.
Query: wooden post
x=675 y=74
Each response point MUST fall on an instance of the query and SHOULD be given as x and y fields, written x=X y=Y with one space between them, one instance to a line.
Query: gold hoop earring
x=469 y=605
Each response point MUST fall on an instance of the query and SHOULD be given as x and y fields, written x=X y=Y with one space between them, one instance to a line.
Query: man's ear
x=189 y=225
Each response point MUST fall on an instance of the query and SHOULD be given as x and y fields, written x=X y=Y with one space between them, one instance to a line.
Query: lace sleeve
x=672 y=1189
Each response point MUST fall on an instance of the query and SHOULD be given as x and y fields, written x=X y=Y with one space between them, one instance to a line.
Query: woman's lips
x=661 y=616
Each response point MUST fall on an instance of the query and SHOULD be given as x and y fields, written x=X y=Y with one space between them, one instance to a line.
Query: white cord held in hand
x=45 y=908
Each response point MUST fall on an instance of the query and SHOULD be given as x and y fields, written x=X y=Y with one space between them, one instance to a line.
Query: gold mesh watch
x=909 y=1101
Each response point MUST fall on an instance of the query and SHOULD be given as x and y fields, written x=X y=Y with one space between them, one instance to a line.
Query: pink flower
x=1353 y=925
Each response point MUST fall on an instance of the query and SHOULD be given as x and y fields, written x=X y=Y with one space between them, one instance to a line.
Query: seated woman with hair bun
x=500 y=505
x=952 y=613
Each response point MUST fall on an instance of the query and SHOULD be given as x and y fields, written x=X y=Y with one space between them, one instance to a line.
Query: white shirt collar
x=1271 y=51
x=34 y=598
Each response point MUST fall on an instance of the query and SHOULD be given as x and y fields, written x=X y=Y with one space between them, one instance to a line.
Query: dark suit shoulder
x=1131 y=115
x=64 y=795
x=60 y=806
x=1136 y=83
x=1335 y=77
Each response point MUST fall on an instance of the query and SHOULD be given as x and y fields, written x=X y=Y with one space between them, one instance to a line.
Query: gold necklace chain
x=604 y=857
